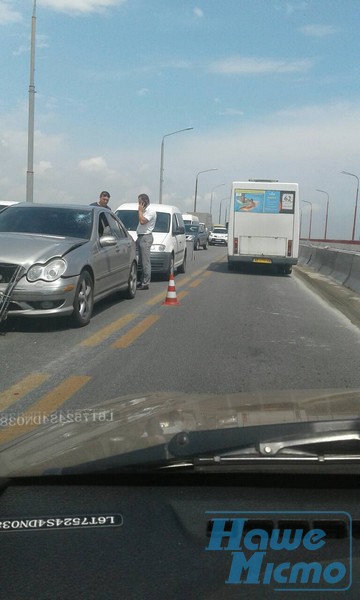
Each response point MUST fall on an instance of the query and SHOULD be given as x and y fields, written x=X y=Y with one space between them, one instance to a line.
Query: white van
x=168 y=252
x=264 y=224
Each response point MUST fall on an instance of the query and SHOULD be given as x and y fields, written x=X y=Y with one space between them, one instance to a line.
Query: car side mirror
x=107 y=240
x=179 y=230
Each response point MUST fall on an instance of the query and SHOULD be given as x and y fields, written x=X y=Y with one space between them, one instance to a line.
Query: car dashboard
x=179 y=535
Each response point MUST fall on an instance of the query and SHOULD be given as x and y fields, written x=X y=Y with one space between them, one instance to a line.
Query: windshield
x=64 y=222
x=131 y=220
x=191 y=228
x=177 y=343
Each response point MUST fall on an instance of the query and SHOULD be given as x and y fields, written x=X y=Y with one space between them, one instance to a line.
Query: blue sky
x=270 y=87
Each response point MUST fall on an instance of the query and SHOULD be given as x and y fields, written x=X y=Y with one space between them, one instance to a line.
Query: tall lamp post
x=356 y=201
x=307 y=202
x=196 y=184
x=162 y=160
x=327 y=210
x=220 y=207
x=30 y=162
x=211 y=199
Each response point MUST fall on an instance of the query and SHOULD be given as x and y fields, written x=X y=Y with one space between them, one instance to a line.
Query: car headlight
x=49 y=272
x=157 y=248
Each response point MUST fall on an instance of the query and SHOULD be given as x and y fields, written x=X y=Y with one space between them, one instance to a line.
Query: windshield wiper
x=320 y=441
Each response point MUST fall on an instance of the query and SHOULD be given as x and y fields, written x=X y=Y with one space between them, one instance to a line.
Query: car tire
x=205 y=246
x=197 y=245
x=182 y=267
x=171 y=268
x=132 y=281
x=84 y=300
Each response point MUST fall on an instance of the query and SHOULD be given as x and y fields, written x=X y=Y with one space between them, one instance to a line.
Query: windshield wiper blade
x=266 y=440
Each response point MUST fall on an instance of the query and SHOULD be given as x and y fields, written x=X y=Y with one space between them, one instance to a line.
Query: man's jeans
x=144 y=243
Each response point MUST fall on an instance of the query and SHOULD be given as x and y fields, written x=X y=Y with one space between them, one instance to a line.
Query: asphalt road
x=254 y=331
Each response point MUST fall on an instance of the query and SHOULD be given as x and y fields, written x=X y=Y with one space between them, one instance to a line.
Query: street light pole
x=196 y=184
x=211 y=199
x=162 y=160
x=356 y=201
x=327 y=210
x=220 y=207
x=307 y=202
x=30 y=163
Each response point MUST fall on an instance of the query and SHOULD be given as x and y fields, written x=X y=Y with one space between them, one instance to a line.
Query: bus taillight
x=289 y=250
x=236 y=245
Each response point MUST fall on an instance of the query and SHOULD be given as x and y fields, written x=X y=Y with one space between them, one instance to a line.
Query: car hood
x=132 y=423
x=27 y=249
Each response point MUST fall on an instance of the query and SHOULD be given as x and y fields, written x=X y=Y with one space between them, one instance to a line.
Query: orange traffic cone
x=171 y=298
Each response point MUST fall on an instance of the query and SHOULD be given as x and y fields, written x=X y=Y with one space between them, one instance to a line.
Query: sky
x=270 y=89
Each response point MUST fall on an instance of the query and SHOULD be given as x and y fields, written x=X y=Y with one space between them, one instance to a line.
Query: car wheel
x=197 y=245
x=131 y=286
x=182 y=267
x=205 y=246
x=84 y=300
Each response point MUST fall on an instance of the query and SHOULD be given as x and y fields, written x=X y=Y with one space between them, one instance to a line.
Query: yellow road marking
x=128 y=338
x=103 y=333
x=195 y=283
x=156 y=299
x=20 y=389
x=45 y=406
x=181 y=295
x=207 y=273
x=199 y=272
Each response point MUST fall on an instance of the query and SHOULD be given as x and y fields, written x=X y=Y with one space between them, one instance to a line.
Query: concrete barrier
x=353 y=281
x=341 y=266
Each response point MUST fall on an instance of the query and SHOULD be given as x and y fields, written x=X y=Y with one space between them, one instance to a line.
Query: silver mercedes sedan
x=61 y=259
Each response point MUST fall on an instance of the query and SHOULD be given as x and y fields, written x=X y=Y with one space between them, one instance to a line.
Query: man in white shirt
x=147 y=219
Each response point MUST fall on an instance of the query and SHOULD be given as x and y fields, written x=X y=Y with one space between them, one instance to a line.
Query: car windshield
x=191 y=228
x=131 y=220
x=63 y=222
x=240 y=117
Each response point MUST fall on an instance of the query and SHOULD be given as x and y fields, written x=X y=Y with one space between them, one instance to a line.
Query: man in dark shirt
x=103 y=200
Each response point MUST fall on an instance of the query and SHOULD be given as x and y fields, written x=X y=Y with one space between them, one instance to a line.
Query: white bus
x=264 y=224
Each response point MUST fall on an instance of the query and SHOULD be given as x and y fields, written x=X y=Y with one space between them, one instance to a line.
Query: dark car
x=60 y=260
x=196 y=234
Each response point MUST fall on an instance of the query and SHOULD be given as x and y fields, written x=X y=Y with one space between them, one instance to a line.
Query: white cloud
x=143 y=92
x=318 y=30
x=95 y=164
x=80 y=6
x=243 y=65
x=42 y=167
x=198 y=12
x=8 y=15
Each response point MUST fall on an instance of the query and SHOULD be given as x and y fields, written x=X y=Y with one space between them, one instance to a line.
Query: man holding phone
x=147 y=219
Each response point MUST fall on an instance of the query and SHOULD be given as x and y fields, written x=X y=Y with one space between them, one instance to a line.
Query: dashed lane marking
x=46 y=406
x=104 y=333
x=128 y=338
x=20 y=389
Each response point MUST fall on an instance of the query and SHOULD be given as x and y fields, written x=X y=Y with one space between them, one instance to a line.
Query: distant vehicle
x=168 y=251
x=206 y=220
x=67 y=258
x=264 y=224
x=197 y=235
x=218 y=236
x=190 y=219
x=6 y=203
